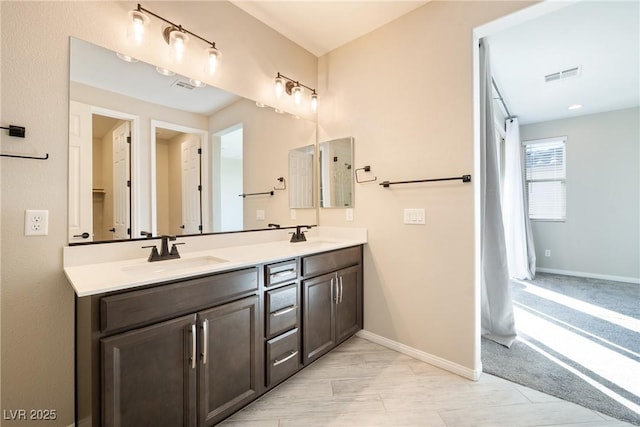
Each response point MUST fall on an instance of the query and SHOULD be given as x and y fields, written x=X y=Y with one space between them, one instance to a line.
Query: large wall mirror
x=154 y=152
x=335 y=159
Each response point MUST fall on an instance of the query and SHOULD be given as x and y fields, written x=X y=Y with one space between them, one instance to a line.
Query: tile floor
x=361 y=383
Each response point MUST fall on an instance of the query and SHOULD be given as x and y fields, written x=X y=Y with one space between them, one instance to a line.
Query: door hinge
x=200 y=227
x=199 y=187
x=199 y=150
x=129 y=139
x=129 y=231
x=129 y=183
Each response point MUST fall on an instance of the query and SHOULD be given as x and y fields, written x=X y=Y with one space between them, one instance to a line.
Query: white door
x=191 y=185
x=300 y=179
x=80 y=179
x=121 y=189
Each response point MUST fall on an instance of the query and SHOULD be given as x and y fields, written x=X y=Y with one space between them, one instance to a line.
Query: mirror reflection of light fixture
x=175 y=35
x=165 y=71
x=197 y=83
x=284 y=84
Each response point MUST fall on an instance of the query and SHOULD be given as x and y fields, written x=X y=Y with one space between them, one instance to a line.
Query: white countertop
x=208 y=254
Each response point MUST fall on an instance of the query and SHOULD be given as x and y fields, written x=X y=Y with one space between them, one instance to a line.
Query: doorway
x=177 y=185
x=228 y=207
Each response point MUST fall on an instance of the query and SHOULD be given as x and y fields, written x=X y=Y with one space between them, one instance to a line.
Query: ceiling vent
x=183 y=84
x=562 y=75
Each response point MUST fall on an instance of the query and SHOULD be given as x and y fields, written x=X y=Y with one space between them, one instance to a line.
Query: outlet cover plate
x=414 y=216
x=36 y=222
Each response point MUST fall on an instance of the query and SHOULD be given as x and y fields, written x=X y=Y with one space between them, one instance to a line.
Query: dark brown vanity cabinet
x=332 y=299
x=282 y=321
x=184 y=353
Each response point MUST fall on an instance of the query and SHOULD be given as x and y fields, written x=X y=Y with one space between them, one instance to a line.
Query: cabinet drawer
x=282 y=309
x=280 y=272
x=146 y=306
x=283 y=357
x=330 y=261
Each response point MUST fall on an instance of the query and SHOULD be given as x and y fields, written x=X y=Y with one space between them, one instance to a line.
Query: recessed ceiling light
x=165 y=71
x=126 y=58
x=197 y=83
x=575 y=106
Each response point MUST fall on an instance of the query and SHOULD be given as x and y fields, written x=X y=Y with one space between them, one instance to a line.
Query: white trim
x=634 y=280
x=439 y=362
x=562 y=138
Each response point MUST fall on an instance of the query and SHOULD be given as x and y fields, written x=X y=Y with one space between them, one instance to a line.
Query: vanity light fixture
x=126 y=58
x=284 y=84
x=197 y=83
x=165 y=71
x=175 y=35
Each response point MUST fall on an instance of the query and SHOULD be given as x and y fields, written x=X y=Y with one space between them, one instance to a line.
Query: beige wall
x=601 y=233
x=37 y=302
x=404 y=92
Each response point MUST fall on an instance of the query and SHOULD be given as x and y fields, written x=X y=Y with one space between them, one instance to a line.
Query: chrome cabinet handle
x=205 y=341
x=284 y=310
x=193 y=346
x=283 y=273
x=341 y=290
x=281 y=361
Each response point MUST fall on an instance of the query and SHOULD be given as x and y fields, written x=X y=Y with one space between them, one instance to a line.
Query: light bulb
x=197 y=83
x=296 y=91
x=135 y=30
x=213 y=55
x=314 y=102
x=279 y=87
x=177 y=44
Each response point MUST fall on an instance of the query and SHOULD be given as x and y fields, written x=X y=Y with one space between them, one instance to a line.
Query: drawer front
x=282 y=309
x=330 y=261
x=283 y=357
x=137 y=308
x=280 y=272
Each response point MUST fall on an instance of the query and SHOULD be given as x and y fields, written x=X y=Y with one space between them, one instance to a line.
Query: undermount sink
x=173 y=265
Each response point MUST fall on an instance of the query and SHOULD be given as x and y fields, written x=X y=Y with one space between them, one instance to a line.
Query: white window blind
x=545 y=176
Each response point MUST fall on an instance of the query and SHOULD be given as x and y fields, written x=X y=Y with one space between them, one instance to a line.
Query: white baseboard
x=439 y=362
x=634 y=280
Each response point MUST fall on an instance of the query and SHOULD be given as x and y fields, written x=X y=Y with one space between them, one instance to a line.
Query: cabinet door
x=349 y=303
x=318 y=325
x=230 y=370
x=148 y=376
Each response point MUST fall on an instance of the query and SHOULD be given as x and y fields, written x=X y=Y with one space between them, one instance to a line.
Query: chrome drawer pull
x=281 y=361
x=284 y=310
x=283 y=273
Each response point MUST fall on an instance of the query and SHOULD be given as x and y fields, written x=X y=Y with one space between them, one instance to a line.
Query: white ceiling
x=602 y=38
x=322 y=26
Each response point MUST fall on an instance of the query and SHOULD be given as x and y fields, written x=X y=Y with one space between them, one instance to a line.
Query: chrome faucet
x=165 y=252
x=298 y=235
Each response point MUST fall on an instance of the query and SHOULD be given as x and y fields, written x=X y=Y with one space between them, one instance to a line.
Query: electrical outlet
x=547 y=252
x=36 y=222
x=260 y=215
x=292 y=213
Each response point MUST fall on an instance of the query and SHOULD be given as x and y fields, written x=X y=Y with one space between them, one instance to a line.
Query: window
x=545 y=175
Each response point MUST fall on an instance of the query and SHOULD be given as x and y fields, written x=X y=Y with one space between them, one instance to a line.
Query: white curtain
x=517 y=227
x=496 y=304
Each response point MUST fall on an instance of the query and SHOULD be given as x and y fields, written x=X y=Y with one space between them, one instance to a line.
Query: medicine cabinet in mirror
x=151 y=151
x=335 y=159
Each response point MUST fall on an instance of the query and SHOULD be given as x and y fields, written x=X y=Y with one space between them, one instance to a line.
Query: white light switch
x=414 y=216
x=260 y=215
